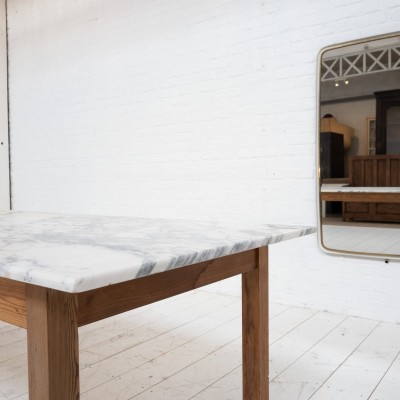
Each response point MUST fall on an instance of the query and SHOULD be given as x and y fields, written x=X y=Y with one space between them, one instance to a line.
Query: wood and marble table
x=60 y=272
x=360 y=194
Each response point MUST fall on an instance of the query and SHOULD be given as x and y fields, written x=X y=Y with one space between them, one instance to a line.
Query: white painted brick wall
x=192 y=109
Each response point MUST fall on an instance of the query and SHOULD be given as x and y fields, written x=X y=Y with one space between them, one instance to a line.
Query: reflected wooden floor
x=361 y=236
x=189 y=348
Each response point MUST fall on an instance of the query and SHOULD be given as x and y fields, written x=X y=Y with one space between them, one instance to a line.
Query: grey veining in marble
x=78 y=253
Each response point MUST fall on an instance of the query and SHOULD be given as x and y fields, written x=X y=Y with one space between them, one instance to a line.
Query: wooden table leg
x=255 y=329
x=53 y=349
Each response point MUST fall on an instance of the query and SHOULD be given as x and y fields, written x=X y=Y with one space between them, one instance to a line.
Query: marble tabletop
x=77 y=253
x=328 y=188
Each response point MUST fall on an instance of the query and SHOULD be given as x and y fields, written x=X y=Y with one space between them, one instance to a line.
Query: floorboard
x=388 y=388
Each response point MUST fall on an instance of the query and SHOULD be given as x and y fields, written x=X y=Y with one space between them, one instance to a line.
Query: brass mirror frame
x=328 y=250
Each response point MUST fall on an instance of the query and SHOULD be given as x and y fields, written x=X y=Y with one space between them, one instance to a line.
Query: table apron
x=13 y=302
x=114 y=299
x=361 y=197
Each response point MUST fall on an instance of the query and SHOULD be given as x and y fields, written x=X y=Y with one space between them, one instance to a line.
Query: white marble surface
x=78 y=253
x=327 y=188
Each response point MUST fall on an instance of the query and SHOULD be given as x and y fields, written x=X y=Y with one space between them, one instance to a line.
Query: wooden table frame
x=361 y=197
x=52 y=319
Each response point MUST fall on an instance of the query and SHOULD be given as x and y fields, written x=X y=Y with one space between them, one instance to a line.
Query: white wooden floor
x=362 y=237
x=189 y=347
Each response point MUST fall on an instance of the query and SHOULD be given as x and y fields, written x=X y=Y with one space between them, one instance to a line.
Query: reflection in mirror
x=359 y=147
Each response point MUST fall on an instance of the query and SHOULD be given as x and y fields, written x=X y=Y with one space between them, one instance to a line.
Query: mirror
x=358 y=147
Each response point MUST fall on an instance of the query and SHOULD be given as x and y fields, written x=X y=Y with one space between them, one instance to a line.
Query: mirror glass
x=359 y=147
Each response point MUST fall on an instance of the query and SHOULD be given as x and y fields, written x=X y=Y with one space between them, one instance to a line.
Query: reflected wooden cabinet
x=373 y=171
x=332 y=163
x=386 y=102
x=331 y=155
x=383 y=170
